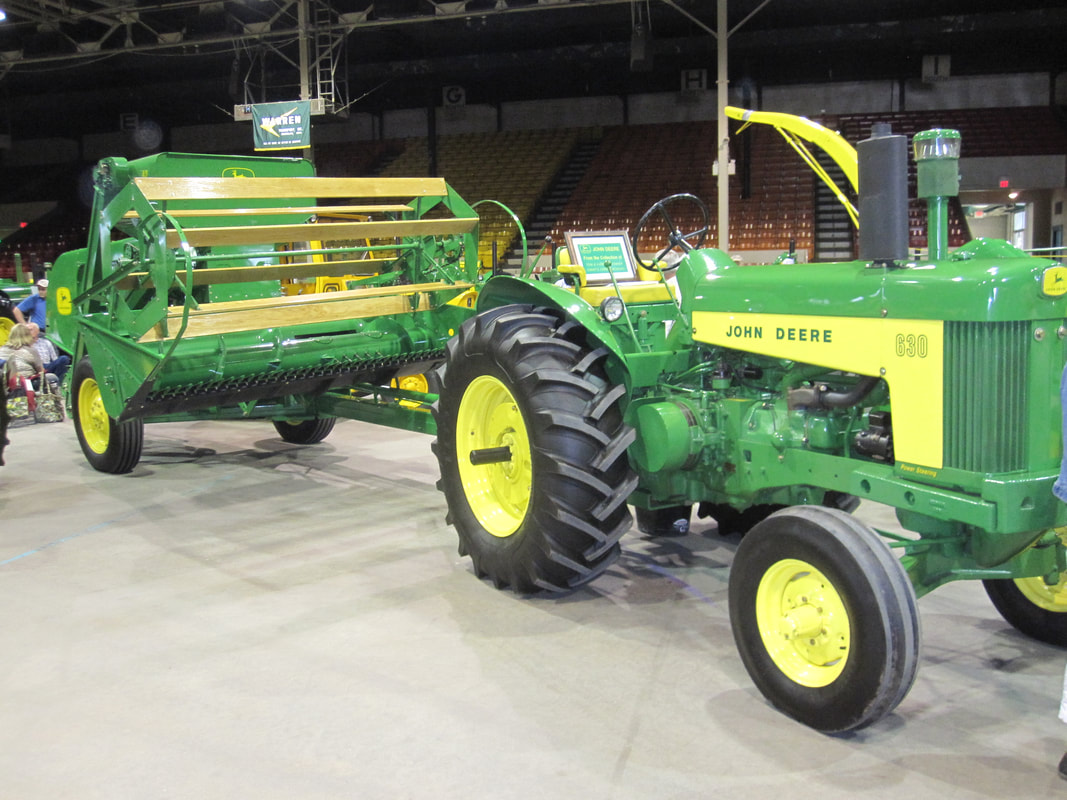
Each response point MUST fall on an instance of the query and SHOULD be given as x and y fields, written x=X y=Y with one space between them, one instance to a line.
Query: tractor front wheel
x=308 y=431
x=532 y=450
x=1032 y=606
x=824 y=618
x=109 y=446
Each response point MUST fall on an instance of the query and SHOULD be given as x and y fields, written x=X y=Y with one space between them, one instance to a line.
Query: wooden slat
x=321 y=231
x=166 y=189
x=214 y=319
x=322 y=211
x=269 y=272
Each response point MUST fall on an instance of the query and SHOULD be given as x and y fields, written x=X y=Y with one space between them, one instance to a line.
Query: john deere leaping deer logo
x=238 y=172
x=1054 y=281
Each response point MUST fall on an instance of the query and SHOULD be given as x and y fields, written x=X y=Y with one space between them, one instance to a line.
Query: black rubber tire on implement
x=308 y=431
x=549 y=516
x=669 y=521
x=109 y=446
x=824 y=617
x=1047 y=623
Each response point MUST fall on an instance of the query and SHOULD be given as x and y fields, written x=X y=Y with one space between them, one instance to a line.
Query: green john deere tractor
x=770 y=398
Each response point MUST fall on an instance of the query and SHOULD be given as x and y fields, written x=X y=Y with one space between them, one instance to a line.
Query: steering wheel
x=675 y=238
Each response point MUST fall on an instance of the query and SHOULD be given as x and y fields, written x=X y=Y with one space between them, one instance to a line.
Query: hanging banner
x=282 y=126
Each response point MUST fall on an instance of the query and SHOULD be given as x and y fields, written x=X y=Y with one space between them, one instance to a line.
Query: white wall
x=688 y=106
x=466 y=119
x=810 y=100
x=405 y=122
x=564 y=112
x=982 y=91
x=1031 y=172
x=212 y=138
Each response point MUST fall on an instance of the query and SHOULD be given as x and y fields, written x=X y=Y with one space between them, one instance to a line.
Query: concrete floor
x=243 y=618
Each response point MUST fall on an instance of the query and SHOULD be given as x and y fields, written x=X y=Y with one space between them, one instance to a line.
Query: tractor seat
x=595 y=257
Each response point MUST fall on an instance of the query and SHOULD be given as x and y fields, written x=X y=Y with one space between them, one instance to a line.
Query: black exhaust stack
x=883 y=195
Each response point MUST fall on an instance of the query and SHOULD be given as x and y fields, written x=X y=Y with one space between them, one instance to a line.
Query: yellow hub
x=498 y=493
x=5 y=328
x=93 y=419
x=803 y=623
x=1048 y=597
x=411 y=383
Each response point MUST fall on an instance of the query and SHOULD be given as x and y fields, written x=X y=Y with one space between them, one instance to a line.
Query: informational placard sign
x=282 y=126
x=602 y=254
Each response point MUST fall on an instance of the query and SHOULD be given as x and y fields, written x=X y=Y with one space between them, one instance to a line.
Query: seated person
x=22 y=359
x=55 y=362
x=32 y=308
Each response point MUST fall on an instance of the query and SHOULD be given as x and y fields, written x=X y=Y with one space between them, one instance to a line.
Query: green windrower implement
x=176 y=307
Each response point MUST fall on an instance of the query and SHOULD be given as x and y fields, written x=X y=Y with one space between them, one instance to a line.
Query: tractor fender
x=503 y=290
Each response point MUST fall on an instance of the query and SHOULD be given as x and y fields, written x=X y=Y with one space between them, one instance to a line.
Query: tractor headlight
x=936 y=144
x=611 y=308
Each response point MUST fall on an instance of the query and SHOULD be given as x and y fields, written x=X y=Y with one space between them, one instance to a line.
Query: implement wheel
x=7 y=317
x=1033 y=607
x=308 y=431
x=824 y=618
x=532 y=450
x=109 y=446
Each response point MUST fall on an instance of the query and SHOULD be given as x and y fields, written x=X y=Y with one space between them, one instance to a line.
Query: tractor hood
x=987 y=280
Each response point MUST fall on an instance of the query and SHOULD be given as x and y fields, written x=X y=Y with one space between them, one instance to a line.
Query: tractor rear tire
x=1032 y=607
x=824 y=617
x=109 y=446
x=532 y=450
x=308 y=431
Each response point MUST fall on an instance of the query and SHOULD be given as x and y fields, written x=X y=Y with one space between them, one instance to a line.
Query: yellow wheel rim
x=803 y=623
x=5 y=328
x=498 y=494
x=411 y=383
x=1050 y=598
x=93 y=419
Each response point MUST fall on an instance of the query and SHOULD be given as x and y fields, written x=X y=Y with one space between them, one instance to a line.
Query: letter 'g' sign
x=453 y=96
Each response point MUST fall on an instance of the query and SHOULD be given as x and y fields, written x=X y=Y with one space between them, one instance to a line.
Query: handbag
x=49 y=403
x=21 y=400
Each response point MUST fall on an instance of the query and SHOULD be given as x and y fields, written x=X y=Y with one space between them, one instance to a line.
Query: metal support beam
x=722 y=85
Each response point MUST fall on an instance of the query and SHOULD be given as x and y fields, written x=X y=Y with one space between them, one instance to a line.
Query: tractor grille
x=985 y=387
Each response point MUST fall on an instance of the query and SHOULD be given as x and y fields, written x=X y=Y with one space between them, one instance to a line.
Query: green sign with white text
x=282 y=126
